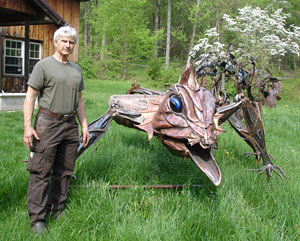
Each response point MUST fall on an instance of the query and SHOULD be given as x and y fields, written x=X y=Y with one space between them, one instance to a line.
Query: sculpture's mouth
x=204 y=159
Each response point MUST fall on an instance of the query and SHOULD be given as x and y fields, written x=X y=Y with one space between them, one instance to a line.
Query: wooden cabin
x=26 y=36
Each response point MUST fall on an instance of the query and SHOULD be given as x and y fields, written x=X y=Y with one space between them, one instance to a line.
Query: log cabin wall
x=69 y=10
x=17 y=5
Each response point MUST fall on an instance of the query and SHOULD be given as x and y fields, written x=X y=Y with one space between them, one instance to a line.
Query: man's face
x=65 y=45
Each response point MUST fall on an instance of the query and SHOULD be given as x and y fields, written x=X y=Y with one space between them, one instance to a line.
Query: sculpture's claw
x=280 y=172
x=268 y=169
x=271 y=156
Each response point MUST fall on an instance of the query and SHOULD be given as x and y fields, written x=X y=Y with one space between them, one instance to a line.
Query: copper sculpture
x=187 y=118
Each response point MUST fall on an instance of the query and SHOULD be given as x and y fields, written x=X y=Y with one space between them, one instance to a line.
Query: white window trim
x=22 y=55
x=40 y=50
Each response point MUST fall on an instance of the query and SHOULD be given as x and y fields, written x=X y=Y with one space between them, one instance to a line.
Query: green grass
x=245 y=206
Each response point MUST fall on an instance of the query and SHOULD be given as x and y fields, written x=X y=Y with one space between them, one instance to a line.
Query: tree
x=208 y=50
x=262 y=34
x=85 y=28
x=122 y=26
x=195 y=24
x=258 y=33
x=168 y=43
x=117 y=33
x=156 y=26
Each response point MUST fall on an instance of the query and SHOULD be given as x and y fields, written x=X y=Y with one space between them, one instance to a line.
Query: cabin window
x=14 y=56
x=34 y=55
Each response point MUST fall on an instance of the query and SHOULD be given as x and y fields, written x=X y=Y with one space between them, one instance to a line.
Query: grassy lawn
x=246 y=206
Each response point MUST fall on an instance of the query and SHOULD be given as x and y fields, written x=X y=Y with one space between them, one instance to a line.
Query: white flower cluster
x=263 y=33
x=207 y=52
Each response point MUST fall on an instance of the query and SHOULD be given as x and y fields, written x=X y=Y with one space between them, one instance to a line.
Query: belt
x=57 y=116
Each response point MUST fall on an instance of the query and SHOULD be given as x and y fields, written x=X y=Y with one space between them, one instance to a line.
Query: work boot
x=39 y=228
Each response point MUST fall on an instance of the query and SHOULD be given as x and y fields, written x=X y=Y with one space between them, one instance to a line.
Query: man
x=53 y=142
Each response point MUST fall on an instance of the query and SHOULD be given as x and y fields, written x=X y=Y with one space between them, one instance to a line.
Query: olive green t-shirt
x=59 y=84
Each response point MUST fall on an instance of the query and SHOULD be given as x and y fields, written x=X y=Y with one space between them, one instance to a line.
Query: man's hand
x=29 y=132
x=85 y=136
x=80 y=112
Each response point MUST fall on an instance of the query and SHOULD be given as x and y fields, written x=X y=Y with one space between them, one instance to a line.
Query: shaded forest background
x=157 y=35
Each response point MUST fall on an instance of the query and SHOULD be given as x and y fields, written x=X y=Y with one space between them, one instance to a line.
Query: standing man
x=53 y=141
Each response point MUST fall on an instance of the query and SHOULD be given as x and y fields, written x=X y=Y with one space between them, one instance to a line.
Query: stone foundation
x=12 y=101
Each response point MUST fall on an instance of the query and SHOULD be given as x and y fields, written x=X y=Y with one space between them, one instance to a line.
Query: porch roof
x=41 y=13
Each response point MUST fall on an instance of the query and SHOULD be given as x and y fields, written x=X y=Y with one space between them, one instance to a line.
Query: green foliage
x=123 y=26
x=88 y=67
x=290 y=90
x=110 y=68
x=161 y=77
x=120 y=33
x=154 y=69
x=171 y=75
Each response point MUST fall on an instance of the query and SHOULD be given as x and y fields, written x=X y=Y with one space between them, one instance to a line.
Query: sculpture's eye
x=175 y=103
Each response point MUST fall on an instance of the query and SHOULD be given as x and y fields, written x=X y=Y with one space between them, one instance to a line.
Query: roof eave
x=50 y=12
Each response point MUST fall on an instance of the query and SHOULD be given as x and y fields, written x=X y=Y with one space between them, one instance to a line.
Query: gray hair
x=65 y=31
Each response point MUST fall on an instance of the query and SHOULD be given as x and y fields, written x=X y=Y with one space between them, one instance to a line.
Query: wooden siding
x=17 y=5
x=12 y=84
x=69 y=10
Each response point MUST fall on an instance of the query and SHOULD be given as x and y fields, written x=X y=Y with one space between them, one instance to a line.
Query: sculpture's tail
x=97 y=129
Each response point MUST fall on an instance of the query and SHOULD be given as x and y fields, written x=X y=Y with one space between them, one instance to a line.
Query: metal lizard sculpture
x=187 y=120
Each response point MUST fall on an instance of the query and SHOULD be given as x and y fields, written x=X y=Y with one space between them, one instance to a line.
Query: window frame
x=39 y=53
x=22 y=55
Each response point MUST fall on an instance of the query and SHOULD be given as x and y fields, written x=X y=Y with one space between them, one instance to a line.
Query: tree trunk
x=278 y=65
x=195 y=26
x=96 y=45
x=90 y=41
x=85 y=30
x=156 y=23
x=103 y=44
x=285 y=62
x=125 y=61
x=182 y=57
x=168 y=34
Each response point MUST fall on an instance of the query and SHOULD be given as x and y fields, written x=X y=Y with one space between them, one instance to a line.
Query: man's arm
x=80 y=112
x=28 y=111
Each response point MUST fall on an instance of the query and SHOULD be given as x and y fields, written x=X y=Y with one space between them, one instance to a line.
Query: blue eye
x=176 y=104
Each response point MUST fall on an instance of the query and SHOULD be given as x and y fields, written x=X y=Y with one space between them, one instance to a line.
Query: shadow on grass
x=139 y=163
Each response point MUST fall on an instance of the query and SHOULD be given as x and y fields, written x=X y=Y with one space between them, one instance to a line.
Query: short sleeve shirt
x=59 y=84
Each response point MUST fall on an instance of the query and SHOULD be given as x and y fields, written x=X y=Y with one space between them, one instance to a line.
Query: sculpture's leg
x=96 y=129
x=253 y=133
x=236 y=121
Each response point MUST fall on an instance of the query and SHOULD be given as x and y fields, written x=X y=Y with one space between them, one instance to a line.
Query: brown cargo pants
x=51 y=164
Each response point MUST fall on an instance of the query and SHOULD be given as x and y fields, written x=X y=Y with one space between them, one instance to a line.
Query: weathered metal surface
x=187 y=118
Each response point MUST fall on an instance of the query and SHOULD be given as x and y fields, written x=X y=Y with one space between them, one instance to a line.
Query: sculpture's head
x=187 y=123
